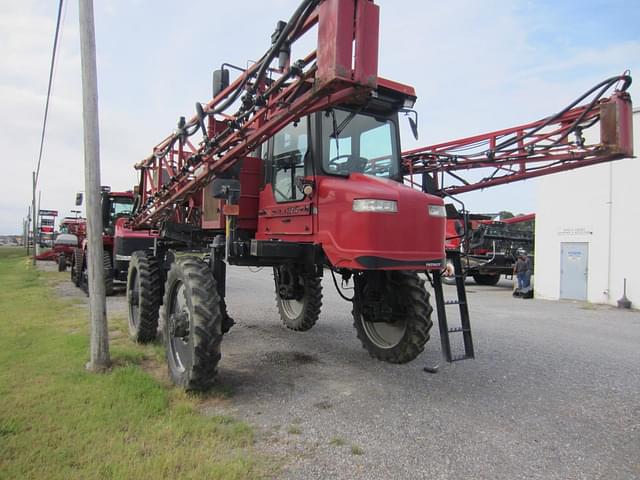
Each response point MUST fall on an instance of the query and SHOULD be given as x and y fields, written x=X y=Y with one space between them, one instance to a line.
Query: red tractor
x=116 y=206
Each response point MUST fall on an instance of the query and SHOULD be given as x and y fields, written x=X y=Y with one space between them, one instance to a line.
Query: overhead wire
x=51 y=72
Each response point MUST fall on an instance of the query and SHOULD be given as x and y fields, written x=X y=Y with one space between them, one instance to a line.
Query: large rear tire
x=144 y=296
x=486 y=279
x=299 y=299
x=76 y=266
x=392 y=315
x=83 y=276
x=192 y=324
x=108 y=273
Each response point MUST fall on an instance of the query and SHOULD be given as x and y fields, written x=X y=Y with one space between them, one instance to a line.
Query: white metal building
x=588 y=231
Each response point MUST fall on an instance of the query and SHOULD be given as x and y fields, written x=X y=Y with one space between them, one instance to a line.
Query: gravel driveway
x=553 y=394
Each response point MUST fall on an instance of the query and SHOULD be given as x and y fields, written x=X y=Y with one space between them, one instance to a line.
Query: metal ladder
x=461 y=301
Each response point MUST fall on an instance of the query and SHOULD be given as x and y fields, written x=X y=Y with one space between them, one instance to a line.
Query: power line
x=46 y=108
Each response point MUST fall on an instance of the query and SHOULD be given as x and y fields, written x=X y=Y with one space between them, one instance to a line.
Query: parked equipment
x=490 y=246
x=116 y=207
x=298 y=168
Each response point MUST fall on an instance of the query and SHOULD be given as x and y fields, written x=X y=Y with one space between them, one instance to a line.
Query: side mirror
x=78 y=199
x=414 y=127
x=413 y=122
x=220 y=81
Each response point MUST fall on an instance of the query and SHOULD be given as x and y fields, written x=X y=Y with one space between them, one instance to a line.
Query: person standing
x=522 y=270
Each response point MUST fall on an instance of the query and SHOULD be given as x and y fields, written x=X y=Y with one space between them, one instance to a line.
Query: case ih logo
x=287 y=211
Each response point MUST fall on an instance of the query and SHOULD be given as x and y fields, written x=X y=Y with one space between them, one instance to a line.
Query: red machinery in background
x=72 y=232
x=117 y=249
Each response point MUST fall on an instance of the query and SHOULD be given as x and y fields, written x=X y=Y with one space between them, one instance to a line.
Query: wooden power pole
x=97 y=301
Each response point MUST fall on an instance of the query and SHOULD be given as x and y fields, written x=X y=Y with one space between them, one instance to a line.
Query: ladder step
x=454 y=302
x=458 y=329
x=459 y=358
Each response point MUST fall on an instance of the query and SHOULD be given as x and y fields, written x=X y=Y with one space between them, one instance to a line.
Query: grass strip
x=59 y=421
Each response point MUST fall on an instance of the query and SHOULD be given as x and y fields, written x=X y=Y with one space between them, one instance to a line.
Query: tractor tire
x=144 y=296
x=192 y=324
x=76 y=266
x=108 y=274
x=403 y=339
x=84 y=274
x=300 y=314
x=486 y=279
x=62 y=263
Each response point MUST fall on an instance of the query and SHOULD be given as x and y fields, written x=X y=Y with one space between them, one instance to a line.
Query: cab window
x=290 y=148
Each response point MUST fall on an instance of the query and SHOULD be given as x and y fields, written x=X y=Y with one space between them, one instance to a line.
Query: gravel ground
x=552 y=394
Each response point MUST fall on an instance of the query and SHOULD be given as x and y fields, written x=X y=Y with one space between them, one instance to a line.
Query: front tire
x=62 y=263
x=192 y=324
x=299 y=299
x=144 y=295
x=108 y=273
x=392 y=315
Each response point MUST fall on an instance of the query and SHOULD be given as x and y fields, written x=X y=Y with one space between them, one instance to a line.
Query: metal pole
x=35 y=216
x=97 y=302
x=37 y=244
x=26 y=231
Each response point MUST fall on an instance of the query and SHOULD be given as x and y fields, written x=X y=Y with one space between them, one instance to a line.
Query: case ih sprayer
x=298 y=167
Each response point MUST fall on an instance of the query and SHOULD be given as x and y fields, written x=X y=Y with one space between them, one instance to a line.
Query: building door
x=574 y=261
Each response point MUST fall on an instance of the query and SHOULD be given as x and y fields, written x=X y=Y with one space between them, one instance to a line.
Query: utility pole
x=35 y=216
x=99 y=360
x=26 y=230
x=37 y=243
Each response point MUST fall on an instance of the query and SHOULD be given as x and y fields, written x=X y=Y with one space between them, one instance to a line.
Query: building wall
x=599 y=205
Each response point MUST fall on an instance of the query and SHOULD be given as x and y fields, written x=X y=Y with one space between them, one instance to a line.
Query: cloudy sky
x=477 y=66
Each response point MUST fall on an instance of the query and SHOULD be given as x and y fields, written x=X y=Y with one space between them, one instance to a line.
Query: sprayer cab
x=333 y=178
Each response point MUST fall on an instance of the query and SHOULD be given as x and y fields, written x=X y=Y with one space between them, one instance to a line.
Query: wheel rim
x=292 y=308
x=178 y=346
x=385 y=335
x=134 y=299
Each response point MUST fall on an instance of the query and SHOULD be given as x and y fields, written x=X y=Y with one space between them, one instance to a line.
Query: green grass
x=337 y=441
x=294 y=430
x=59 y=421
x=356 y=450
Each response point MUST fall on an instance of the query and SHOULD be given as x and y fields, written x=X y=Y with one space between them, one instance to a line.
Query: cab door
x=284 y=209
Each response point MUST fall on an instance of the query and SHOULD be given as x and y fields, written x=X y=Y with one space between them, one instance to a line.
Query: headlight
x=437 y=211
x=373 y=205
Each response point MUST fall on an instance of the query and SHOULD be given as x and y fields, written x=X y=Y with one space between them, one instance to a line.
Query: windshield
x=121 y=206
x=354 y=142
